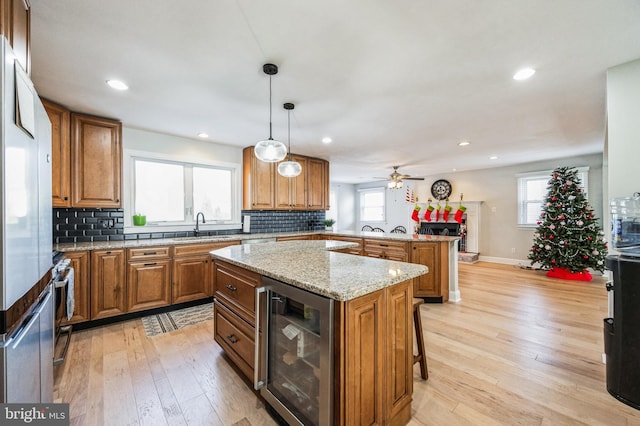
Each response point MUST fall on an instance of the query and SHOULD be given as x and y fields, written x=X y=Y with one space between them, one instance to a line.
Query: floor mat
x=175 y=320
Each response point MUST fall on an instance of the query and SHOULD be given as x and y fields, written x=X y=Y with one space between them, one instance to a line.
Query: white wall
x=345 y=200
x=497 y=188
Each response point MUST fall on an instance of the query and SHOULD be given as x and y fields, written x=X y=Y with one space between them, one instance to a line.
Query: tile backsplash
x=86 y=225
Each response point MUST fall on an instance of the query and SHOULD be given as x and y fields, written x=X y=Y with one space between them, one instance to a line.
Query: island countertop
x=312 y=266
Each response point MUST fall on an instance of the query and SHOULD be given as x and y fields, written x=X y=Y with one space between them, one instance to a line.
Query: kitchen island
x=371 y=361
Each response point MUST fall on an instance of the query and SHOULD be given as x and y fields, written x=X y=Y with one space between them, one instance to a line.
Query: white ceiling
x=392 y=82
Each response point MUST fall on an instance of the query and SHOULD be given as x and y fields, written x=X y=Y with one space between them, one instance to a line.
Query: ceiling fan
x=396 y=178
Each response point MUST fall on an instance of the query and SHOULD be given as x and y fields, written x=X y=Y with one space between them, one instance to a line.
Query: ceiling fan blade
x=413 y=178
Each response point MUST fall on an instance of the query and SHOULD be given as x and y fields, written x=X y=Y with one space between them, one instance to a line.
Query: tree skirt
x=175 y=320
x=565 y=274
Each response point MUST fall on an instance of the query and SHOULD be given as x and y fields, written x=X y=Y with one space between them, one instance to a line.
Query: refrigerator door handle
x=258 y=382
x=35 y=317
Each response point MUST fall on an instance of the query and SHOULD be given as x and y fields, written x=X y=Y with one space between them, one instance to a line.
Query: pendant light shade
x=270 y=150
x=289 y=168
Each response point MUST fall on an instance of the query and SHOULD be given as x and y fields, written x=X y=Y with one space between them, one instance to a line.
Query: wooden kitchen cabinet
x=351 y=250
x=291 y=192
x=385 y=249
x=148 y=278
x=96 y=161
x=258 y=182
x=60 y=118
x=317 y=184
x=265 y=189
x=435 y=257
x=15 y=25
x=193 y=271
x=108 y=283
x=80 y=265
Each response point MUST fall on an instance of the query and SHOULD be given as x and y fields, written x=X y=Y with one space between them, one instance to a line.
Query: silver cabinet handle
x=258 y=381
x=230 y=287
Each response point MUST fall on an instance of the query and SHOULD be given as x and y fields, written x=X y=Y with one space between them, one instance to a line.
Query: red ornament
x=590 y=238
x=551 y=237
x=585 y=256
x=553 y=199
x=553 y=261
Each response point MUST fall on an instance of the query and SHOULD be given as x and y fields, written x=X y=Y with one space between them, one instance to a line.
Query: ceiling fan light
x=289 y=168
x=270 y=151
x=394 y=184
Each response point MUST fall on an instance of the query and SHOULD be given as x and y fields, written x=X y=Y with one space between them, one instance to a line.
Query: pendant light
x=270 y=150
x=289 y=168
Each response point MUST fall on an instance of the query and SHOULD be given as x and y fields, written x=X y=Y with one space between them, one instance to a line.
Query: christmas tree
x=568 y=239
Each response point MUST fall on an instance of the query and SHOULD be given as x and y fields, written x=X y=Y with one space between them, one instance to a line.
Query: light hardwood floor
x=519 y=349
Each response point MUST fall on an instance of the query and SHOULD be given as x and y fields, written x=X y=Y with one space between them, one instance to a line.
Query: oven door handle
x=258 y=382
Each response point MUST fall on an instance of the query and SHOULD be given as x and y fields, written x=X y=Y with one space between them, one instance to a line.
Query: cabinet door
x=258 y=182
x=427 y=254
x=192 y=278
x=96 y=160
x=317 y=184
x=60 y=118
x=107 y=283
x=399 y=346
x=298 y=188
x=365 y=348
x=148 y=284
x=15 y=25
x=80 y=264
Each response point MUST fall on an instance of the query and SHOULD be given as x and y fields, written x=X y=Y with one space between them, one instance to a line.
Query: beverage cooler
x=622 y=327
x=296 y=359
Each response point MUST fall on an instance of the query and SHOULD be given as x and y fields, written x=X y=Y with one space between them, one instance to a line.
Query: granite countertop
x=311 y=265
x=106 y=245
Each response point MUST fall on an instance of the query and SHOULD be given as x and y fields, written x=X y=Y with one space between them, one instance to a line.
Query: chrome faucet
x=196 y=230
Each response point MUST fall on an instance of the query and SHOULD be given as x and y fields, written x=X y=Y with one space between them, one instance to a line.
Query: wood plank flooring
x=519 y=349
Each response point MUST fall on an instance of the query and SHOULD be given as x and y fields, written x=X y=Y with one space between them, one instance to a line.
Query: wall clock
x=441 y=189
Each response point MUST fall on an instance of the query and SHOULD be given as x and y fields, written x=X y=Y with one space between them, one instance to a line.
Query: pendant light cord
x=270 y=133
x=289 y=131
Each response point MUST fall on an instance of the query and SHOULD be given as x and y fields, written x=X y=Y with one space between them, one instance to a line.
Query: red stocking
x=414 y=215
x=427 y=214
x=459 y=213
x=445 y=214
x=437 y=214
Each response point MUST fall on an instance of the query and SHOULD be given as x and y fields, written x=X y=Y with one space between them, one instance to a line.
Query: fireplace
x=440 y=228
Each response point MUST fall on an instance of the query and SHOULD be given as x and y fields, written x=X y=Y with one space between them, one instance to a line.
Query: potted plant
x=328 y=224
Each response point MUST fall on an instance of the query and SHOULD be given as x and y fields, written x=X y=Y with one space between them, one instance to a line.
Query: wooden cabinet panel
x=60 y=118
x=258 y=182
x=365 y=347
x=15 y=25
x=236 y=337
x=291 y=193
x=295 y=238
x=427 y=254
x=96 y=158
x=80 y=264
x=108 y=283
x=385 y=249
x=148 y=284
x=399 y=349
x=317 y=184
x=235 y=287
x=148 y=253
x=201 y=248
x=192 y=277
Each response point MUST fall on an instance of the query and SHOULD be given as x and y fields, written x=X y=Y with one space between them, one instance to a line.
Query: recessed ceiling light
x=454 y=170
x=327 y=139
x=203 y=135
x=493 y=157
x=464 y=143
x=117 y=84
x=524 y=74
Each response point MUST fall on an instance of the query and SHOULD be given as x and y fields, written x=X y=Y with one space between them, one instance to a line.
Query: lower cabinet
x=236 y=337
x=435 y=257
x=148 y=285
x=384 y=249
x=108 y=281
x=80 y=265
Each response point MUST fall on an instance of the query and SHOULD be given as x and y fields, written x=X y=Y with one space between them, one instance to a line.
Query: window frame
x=130 y=156
x=362 y=191
x=523 y=178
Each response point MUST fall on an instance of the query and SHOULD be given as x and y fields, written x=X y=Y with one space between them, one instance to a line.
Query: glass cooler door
x=298 y=361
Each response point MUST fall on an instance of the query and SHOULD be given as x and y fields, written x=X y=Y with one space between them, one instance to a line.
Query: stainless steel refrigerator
x=26 y=314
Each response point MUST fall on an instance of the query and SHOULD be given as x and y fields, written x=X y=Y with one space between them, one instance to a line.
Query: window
x=532 y=189
x=372 y=205
x=171 y=193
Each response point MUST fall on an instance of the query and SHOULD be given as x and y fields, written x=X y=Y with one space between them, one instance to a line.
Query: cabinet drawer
x=391 y=250
x=148 y=253
x=190 y=249
x=236 y=287
x=236 y=337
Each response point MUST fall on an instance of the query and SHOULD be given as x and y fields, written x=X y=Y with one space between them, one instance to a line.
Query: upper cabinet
x=86 y=154
x=96 y=155
x=15 y=25
x=265 y=189
x=60 y=118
